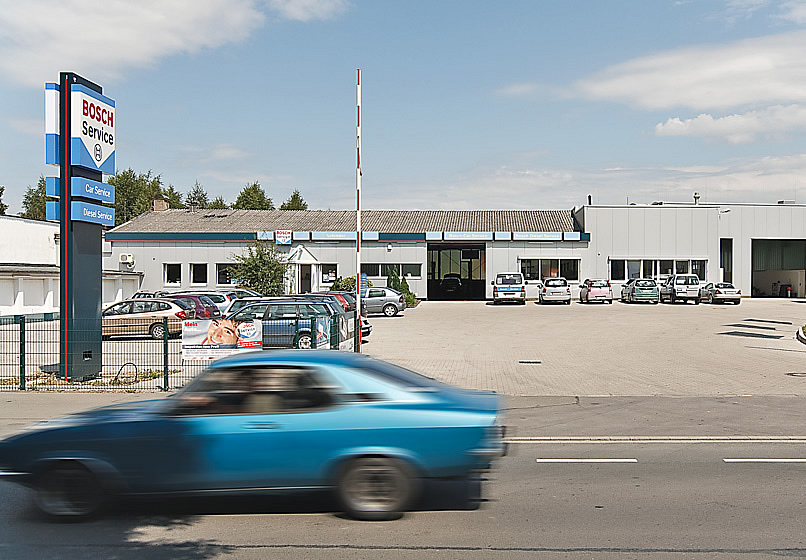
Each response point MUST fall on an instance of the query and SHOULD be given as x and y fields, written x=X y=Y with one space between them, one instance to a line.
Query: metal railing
x=135 y=354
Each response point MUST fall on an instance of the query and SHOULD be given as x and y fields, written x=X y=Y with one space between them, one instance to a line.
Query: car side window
x=119 y=309
x=163 y=306
x=283 y=311
x=143 y=307
x=376 y=293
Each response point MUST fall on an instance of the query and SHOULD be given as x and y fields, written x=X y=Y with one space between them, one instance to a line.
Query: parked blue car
x=265 y=421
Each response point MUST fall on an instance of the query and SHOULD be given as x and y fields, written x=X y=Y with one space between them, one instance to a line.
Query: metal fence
x=138 y=355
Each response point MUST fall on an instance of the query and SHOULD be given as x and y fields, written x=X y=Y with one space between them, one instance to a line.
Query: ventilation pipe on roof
x=590 y=200
x=696 y=198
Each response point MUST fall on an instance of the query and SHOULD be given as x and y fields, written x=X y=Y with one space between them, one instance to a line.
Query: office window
x=666 y=268
x=531 y=269
x=387 y=269
x=633 y=269
x=698 y=268
x=413 y=270
x=549 y=268
x=223 y=273
x=617 y=270
x=172 y=273
x=371 y=269
x=569 y=269
x=198 y=273
x=648 y=269
x=681 y=267
x=328 y=273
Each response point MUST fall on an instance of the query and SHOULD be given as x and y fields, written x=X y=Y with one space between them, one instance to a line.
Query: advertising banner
x=208 y=339
x=322 y=332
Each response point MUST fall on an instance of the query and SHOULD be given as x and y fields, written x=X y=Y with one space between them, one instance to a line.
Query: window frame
x=165 y=281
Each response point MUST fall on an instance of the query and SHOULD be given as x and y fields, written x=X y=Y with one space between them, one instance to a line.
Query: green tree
x=253 y=197
x=262 y=268
x=3 y=207
x=218 y=204
x=33 y=203
x=294 y=202
x=197 y=197
x=134 y=193
x=173 y=196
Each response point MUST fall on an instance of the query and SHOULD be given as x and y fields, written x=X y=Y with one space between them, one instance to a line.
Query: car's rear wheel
x=68 y=491
x=738 y=301
x=376 y=488
x=305 y=341
x=157 y=331
x=390 y=310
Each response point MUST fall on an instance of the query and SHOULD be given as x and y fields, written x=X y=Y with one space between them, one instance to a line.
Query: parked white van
x=509 y=286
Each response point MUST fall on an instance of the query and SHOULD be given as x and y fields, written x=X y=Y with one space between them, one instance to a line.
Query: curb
x=799 y=334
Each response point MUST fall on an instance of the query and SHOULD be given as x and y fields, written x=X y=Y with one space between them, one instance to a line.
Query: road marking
x=764 y=460
x=654 y=439
x=586 y=460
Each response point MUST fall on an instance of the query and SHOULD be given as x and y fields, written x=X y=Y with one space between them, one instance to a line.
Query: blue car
x=265 y=421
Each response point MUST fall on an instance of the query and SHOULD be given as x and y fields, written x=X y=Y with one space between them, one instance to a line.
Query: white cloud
x=767 y=70
x=738 y=128
x=794 y=11
x=308 y=10
x=40 y=38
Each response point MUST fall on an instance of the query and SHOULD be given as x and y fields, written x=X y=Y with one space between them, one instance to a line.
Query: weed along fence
x=147 y=354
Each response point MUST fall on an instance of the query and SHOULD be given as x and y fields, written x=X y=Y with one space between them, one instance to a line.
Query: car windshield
x=556 y=282
x=645 y=283
x=509 y=279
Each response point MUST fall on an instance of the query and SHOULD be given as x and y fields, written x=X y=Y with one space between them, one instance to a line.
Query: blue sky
x=466 y=104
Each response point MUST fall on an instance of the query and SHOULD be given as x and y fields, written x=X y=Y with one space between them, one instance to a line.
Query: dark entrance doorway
x=456 y=271
x=304 y=278
x=779 y=267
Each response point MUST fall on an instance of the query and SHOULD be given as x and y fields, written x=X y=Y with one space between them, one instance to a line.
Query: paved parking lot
x=597 y=349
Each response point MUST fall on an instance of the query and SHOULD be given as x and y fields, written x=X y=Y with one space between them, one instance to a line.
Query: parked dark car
x=451 y=285
x=286 y=323
x=265 y=422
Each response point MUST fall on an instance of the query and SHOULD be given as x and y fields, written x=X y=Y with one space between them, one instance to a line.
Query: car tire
x=696 y=301
x=738 y=301
x=390 y=310
x=305 y=341
x=156 y=331
x=376 y=488
x=68 y=491
x=568 y=301
x=671 y=299
x=711 y=299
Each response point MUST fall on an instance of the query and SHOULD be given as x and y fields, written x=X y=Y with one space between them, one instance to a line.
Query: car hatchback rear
x=555 y=289
x=509 y=286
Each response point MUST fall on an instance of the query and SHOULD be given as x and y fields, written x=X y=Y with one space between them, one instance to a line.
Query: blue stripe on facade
x=401 y=237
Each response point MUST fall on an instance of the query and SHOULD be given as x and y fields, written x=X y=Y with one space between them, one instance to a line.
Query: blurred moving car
x=681 y=287
x=595 y=290
x=509 y=286
x=143 y=316
x=640 y=289
x=555 y=289
x=383 y=300
x=265 y=422
x=451 y=285
x=721 y=292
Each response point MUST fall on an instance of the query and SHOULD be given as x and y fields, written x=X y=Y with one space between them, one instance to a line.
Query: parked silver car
x=555 y=289
x=383 y=300
x=681 y=287
x=721 y=292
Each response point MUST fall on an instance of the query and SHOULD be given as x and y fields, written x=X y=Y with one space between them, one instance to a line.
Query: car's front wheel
x=68 y=491
x=376 y=488
x=305 y=341
x=390 y=310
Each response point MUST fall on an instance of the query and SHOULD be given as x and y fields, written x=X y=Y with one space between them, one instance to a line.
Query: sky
x=466 y=104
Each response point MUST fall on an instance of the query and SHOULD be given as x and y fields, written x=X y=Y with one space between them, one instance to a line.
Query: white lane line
x=764 y=460
x=586 y=460
x=654 y=439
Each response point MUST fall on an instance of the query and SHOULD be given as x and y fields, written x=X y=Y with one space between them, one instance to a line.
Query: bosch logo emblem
x=98 y=152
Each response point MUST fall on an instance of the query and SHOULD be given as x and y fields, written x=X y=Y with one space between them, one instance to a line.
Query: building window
x=666 y=268
x=617 y=269
x=649 y=271
x=223 y=273
x=172 y=273
x=698 y=268
x=328 y=273
x=681 y=267
x=549 y=268
x=411 y=270
x=388 y=269
x=633 y=269
x=198 y=273
x=531 y=269
x=370 y=269
x=569 y=269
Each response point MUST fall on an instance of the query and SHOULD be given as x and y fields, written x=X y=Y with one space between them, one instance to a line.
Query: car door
x=375 y=298
x=261 y=427
x=115 y=319
x=280 y=325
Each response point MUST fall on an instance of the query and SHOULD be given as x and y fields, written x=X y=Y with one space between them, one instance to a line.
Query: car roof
x=327 y=357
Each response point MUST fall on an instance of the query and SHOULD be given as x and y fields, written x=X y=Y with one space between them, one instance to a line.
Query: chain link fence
x=136 y=355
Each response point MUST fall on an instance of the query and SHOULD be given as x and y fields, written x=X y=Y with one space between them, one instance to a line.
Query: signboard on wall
x=282 y=236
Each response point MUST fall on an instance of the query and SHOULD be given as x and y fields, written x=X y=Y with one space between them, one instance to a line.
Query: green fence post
x=334 y=332
x=357 y=330
x=21 y=323
x=165 y=352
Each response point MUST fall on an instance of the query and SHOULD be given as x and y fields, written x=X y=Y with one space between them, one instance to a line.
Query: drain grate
x=529 y=361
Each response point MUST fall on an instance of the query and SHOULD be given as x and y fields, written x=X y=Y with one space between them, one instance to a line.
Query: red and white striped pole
x=358 y=211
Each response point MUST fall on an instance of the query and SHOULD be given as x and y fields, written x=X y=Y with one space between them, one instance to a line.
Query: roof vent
x=786 y=202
